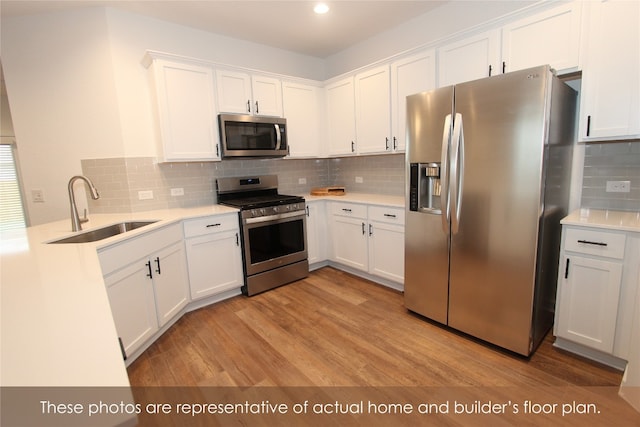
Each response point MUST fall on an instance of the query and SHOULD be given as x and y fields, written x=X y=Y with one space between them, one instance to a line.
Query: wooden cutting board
x=328 y=191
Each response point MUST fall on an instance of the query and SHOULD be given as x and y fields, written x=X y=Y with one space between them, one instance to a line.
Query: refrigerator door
x=427 y=237
x=493 y=253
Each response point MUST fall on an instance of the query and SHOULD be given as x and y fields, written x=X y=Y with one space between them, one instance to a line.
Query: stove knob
x=276 y=209
x=262 y=211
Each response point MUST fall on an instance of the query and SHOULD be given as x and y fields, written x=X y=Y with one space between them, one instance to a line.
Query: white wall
x=78 y=90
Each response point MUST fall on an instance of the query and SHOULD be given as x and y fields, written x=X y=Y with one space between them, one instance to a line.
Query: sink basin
x=104 y=232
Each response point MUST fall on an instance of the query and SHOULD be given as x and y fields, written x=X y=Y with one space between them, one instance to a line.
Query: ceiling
x=290 y=25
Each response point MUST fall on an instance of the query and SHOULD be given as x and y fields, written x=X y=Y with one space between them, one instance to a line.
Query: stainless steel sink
x=104 y=232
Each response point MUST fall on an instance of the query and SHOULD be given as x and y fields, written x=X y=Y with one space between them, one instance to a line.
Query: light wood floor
x=334 y=329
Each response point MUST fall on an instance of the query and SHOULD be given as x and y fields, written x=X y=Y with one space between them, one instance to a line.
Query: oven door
x=274 y=241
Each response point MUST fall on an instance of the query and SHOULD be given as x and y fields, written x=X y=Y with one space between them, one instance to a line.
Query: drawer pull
x=346 y=210
x=214 y=225
x=390 y=215
x=587 y=242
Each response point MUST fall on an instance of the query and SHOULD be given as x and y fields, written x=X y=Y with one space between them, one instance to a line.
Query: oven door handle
x=274 y=217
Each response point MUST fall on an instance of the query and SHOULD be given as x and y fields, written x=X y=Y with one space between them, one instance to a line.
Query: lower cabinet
x=214 y=255
x=149 y=292
x=369 y=238
x=597 y=283
x=316 y=232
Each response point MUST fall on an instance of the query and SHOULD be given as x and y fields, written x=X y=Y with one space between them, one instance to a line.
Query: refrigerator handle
x=456 y=172
x=444 y=175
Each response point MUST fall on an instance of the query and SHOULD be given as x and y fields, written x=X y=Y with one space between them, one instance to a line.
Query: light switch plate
x=145 y=195
x=618 y=186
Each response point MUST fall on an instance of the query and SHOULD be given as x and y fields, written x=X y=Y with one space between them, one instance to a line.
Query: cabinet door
x=130 y=292
x=267 y=96
x=186 y=111
x=316 y=232
x=170 y=281
x=551 y=37
x=301 y=105
x=469 y=59
x=234 y=92
x=610 y=105
x=215 y=263
x=373 y=111
x=386 y=251
x=341 y=117
x=409 y=75
x=350 y=242
x=588 y=303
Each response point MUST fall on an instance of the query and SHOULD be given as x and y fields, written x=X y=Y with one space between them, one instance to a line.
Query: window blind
x=11 y=208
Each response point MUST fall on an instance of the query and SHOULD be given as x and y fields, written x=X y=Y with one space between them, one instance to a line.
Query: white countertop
x=612 y=220
x=57 y=328
x=365 y=198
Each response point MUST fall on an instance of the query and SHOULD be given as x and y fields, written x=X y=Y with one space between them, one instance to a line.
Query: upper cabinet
x=610 y=101
x=551 y=37
x=302 y=106
x=243 y=93
x=472 y=58
x=409 y=75
x=373 y=110
x=341 y=117
x=185 y=110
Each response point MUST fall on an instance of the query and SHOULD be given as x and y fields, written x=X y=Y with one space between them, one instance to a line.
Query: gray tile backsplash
x=119 y=180
x=619 y=161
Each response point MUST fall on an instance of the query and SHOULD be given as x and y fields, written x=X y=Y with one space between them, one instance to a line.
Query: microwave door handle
x=278 y=136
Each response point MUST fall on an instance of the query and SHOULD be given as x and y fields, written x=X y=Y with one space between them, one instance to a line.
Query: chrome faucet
x=76 y=222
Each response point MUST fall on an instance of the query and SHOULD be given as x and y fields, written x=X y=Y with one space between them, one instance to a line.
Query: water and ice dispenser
x=425 y=188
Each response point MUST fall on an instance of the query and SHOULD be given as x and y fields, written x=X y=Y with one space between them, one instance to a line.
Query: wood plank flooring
x=335 y=330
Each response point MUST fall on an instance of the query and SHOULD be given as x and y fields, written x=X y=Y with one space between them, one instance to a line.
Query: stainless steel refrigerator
x=488 y=177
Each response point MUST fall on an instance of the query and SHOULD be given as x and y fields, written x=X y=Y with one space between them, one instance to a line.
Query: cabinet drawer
x=349 y=209
x=210 y=224
x=595 y=242
x=386 y=214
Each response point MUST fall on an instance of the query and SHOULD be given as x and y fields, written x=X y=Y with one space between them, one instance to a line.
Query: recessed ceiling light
x=321 y=8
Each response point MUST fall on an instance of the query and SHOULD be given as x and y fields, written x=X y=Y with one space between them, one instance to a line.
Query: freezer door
x=493 y=253
x=426 y=239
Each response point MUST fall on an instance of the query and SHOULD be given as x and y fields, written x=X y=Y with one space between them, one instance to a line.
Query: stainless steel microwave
x=252 y=136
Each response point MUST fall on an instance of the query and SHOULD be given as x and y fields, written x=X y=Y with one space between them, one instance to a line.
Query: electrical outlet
x=302 y=181
x=37 y=196
x=359 y=180
x=618 y=186
x=145 y=195
x=177 y=191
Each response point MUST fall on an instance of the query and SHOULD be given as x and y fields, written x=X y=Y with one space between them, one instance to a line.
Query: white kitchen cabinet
x=244 y=93
x=316 y=232
x=410 y=75
x=369 y=239
x=149 y=292
x=302 y=106
x=184 y=100
x=597 y=283
x=609 y=102
x=214 y=255
x=472 y=58
x=341 y=117
x=373 y=110
x=551 y=37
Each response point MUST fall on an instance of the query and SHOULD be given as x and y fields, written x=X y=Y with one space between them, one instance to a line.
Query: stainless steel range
x=273 y=228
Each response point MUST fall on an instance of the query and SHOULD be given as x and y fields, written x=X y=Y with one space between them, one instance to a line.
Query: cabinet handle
x=363 y=228
x=370 y=230
x=353 y=148
x=490 y=68
x=248 y=105
x=587 y=242
x=566 y=270
x=257 y=109
x=346 y=210
x=217 y=150
x=237 y=240
x=307 y=208
x=395 y=143
x=504 y=67
x=213 y=225
x=390 y=215
x=386 y=144
x=158 y=265
x=588 y=125
x=150 y=273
